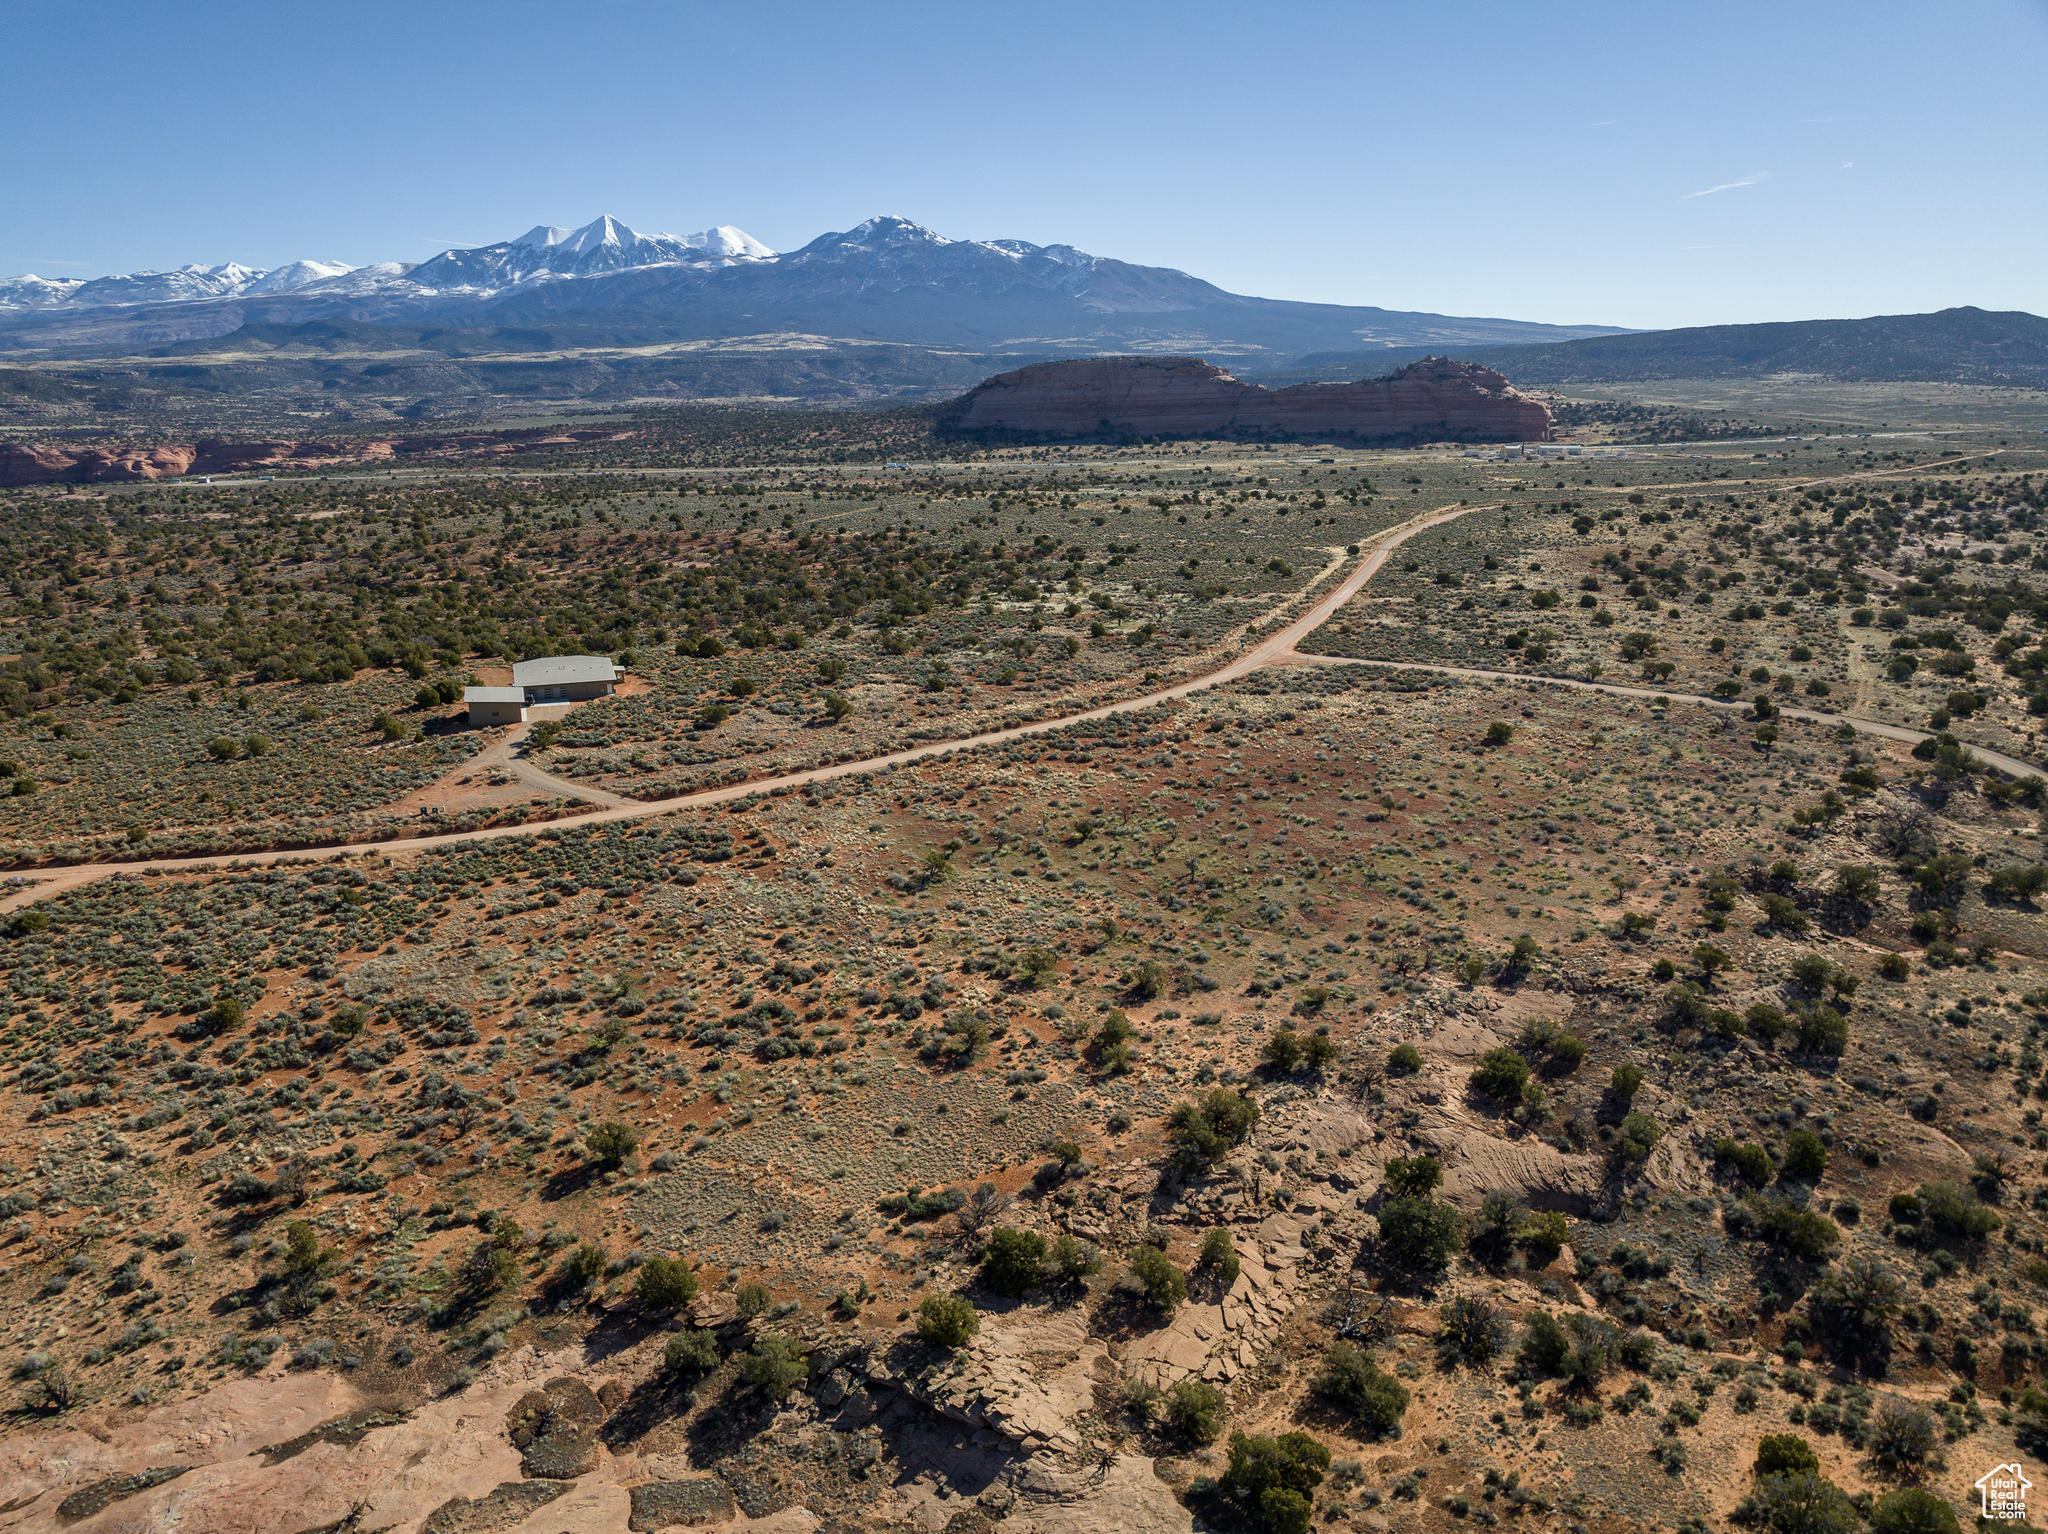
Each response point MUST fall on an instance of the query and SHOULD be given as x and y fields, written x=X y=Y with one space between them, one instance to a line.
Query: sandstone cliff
x=37 y=464
x=1434 y=400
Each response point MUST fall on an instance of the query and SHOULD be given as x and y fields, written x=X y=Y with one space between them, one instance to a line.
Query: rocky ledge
x=46 y=463
x=1434 y=400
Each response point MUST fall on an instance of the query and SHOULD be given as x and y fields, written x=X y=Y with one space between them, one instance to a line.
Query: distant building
x=551 y=679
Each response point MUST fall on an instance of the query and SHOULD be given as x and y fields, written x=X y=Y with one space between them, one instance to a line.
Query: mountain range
x=886 y=310
x=886 y=281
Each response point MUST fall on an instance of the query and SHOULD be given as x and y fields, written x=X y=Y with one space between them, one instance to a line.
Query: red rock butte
x=1434 y=400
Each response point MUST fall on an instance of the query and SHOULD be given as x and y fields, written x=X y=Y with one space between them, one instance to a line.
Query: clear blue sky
x=1641 y=164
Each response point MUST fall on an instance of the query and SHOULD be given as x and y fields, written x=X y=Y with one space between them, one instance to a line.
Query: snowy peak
x=598 y=234
x=181 y=286
x=544 y=237
x=29 y=291
x=879 y=232
x=547 y=253
x=724 y=242
x=187 y=284
x=1066 y=255
x=296 y=275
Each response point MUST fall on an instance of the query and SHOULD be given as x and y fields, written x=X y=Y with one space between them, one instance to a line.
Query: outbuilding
x=495 y=705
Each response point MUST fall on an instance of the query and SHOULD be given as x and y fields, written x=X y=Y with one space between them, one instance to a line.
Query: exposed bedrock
x=44 y=463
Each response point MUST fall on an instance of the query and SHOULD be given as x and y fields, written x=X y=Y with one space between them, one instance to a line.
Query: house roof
x=562 y=670
x=494 y=695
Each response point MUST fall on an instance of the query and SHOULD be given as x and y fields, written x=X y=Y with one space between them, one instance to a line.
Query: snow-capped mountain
x=887 y=280
x=897 y=252
x=599 y=248
x=608 y=238
x=543 y=253
x=297 y=274
x=33 y=292
x=188 y=284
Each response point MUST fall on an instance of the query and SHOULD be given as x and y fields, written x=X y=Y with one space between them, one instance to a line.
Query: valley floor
x=341 y=1187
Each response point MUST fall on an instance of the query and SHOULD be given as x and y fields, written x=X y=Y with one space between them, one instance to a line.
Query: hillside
x=1964 y=345
x=1124 y=397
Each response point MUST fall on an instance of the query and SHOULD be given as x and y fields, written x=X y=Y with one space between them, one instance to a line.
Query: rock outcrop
x=1434 y=400
x=39 y=464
